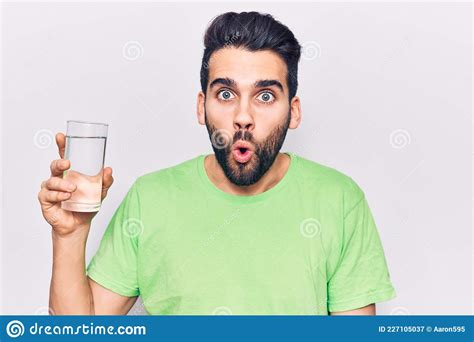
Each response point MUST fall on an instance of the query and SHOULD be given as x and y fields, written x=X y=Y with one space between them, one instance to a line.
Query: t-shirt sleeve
x=361 y=276
x=114 y=266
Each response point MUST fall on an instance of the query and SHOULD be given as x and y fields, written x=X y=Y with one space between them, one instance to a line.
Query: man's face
x=247 y=111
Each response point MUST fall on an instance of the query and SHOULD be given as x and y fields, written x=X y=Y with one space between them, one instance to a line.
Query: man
x=247 y=230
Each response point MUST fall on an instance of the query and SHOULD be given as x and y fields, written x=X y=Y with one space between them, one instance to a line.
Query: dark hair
x=252 y=31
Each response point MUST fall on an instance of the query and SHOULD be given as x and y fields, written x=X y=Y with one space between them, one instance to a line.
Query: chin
x=242 y=174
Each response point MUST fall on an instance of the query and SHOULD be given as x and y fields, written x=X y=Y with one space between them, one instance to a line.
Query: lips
x=242 y=151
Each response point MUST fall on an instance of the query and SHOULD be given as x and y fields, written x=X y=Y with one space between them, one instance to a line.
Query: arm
x=71 y=291
x=368 y=310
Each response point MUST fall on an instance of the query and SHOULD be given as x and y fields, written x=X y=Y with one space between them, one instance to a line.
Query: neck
x=274 y=174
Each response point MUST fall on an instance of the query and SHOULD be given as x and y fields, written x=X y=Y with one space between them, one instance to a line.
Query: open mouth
x=242 y=153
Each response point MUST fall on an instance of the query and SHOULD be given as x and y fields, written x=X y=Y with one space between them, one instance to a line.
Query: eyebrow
x=228 y=82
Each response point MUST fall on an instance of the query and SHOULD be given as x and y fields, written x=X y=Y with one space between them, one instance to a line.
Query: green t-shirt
x=306 y=246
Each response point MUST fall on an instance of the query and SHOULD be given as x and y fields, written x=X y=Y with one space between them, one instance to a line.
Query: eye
x=266 y=97
x=225 y=95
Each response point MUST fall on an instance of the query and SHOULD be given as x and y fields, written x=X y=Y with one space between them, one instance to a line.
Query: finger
x=49 y=196
x=59 y=184
x=61 y=142
x=107 y=181
x=58 y=166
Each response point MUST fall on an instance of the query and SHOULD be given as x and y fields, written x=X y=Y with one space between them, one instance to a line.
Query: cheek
x=220 y=115
x=268 y=117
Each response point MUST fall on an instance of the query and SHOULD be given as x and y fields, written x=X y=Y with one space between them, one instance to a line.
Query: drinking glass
x=85 y=149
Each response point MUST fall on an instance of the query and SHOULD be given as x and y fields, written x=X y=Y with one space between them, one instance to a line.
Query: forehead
x=245 y=67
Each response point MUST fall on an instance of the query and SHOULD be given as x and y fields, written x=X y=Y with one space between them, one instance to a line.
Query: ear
x=200 y=110
x=295 y=110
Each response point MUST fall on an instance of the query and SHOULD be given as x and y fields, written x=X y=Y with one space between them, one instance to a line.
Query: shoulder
x=171 y=176
x=329 y=182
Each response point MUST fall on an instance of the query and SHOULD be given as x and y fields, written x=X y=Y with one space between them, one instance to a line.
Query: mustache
x=243 y=135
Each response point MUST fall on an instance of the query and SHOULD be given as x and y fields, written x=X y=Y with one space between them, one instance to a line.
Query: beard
x=265 y=152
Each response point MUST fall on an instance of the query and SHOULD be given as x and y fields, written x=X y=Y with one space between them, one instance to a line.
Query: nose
x=243 y=118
